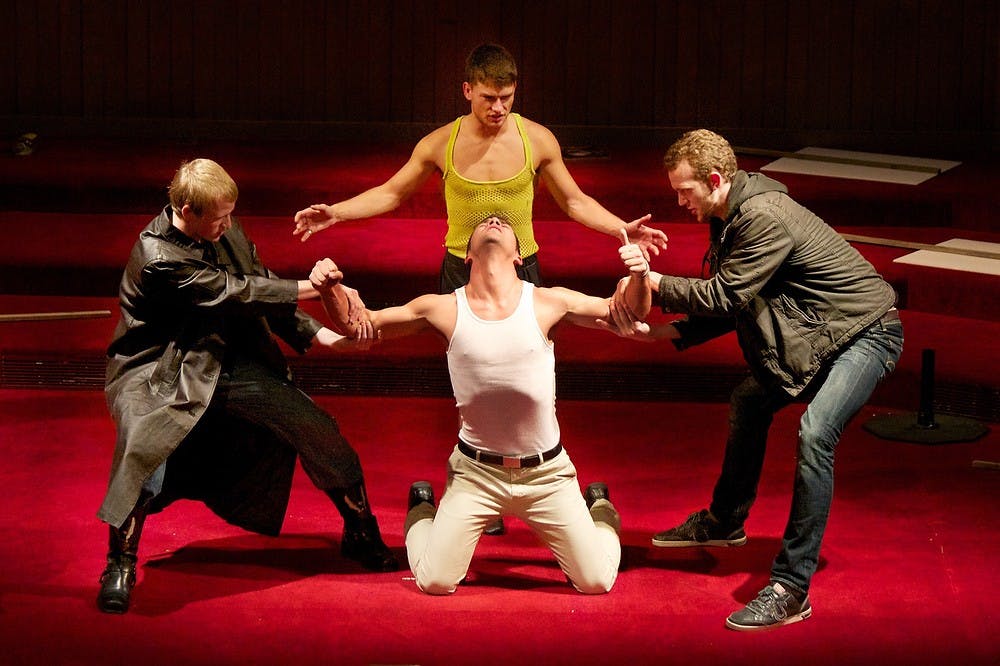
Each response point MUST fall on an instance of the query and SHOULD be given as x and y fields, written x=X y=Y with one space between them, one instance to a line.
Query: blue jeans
x=837 y=395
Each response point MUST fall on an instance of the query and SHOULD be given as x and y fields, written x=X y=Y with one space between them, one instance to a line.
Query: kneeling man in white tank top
x=509 y=459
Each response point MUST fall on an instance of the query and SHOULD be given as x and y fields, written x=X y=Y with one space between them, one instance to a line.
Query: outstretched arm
x=627 y=308
x=581 y=207
x=377 y=200
x=352 y=321
x=325 y=279
x=632 y=299
x=637 y=298
x=330 y=339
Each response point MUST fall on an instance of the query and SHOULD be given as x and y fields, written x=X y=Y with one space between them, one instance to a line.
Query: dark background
x=912 y=76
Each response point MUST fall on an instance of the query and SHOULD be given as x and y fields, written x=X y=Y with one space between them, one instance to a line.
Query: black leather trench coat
x=176 y=300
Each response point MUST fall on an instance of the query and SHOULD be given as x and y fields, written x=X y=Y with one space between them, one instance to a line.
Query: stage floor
x=906 y=573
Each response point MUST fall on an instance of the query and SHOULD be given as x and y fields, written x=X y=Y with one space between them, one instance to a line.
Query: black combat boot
x=123 y=547
x=362 y=541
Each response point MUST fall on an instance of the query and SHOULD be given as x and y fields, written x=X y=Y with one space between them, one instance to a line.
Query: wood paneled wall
x=871 y=74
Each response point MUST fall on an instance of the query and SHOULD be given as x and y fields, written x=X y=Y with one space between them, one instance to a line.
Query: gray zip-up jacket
x=793 y=288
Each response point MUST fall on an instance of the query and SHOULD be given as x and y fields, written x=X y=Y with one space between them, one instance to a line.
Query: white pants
x=440 y=544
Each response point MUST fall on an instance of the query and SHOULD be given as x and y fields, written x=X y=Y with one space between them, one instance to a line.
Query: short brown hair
x=200 y=183
x=503 y=218
x=705 y=151
x=490 y=63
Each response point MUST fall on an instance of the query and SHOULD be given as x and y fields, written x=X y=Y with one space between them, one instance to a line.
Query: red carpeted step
x=592 y=364
x=279 y=178
x=389 y=259
x=393 y=259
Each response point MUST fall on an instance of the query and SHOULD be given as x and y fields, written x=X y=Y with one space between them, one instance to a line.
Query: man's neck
x=492 y=279
x=722 y=209
x=178 y=222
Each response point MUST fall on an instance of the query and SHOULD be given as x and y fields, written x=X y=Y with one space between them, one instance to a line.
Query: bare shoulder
x=428 y=304
x=431 y=148
x=555 y=297
x=543 y=141
x=531 y=126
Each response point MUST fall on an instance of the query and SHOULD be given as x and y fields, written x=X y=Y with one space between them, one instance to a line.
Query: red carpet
x=908 y=567
x=907 y=573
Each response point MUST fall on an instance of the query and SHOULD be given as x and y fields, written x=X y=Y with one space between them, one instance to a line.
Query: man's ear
x=518 y=261
x=467 y=90
x=716 y=179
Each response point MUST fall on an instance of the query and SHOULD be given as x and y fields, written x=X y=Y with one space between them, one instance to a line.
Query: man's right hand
x=356 y=314
x=314 y=219
x=325 y=275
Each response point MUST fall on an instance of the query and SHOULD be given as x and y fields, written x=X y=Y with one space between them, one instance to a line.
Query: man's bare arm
x=377 y=200
x=581 y=207
x=325 y=279
x=351 y=319
x=636 y=295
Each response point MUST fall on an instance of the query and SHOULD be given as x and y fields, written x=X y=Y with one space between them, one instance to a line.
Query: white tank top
x=503 y=375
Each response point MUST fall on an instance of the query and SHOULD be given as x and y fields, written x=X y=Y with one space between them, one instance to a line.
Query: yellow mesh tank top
x=469 y=202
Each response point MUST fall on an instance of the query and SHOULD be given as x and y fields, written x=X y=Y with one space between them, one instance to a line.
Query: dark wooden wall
x=874 y=74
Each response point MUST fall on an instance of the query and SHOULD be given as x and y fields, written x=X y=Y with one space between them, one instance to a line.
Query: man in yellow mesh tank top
x=488 y=165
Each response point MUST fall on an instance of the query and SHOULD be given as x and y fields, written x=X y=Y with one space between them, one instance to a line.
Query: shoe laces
x=770 y=603
x=696 y=519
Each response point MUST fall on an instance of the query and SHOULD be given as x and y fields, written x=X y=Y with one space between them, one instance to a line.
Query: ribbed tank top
x=503 y=375
x=469 y=202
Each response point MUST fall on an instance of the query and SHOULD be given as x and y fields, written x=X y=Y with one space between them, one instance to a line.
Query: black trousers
x=251 y=396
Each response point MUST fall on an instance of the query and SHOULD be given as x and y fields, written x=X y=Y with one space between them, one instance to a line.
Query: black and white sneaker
x=774 y=607
x=701 y=529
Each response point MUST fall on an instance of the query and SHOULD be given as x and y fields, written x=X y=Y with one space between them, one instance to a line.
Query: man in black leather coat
x=200 y=391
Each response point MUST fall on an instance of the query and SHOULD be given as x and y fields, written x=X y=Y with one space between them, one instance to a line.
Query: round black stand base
x=943 y=429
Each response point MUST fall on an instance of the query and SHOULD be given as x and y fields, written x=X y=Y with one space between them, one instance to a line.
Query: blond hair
x=200 y=183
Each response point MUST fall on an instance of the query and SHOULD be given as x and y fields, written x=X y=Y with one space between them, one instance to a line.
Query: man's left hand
x=648 y=239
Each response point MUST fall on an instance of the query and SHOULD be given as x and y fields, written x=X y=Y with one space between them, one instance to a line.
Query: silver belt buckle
x=512 y=461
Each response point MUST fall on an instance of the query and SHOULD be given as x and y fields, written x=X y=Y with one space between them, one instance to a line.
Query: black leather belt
x=516 y=462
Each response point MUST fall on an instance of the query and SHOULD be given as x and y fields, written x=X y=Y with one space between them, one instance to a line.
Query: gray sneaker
x=774 y=607
x=701 y=529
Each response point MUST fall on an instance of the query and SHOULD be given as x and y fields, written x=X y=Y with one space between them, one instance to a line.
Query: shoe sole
x=715 y=543
x=788 y=620
x=112 y=609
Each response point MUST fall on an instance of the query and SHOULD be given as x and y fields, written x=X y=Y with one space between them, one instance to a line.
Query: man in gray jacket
x=814 y=321
x=200 y=392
